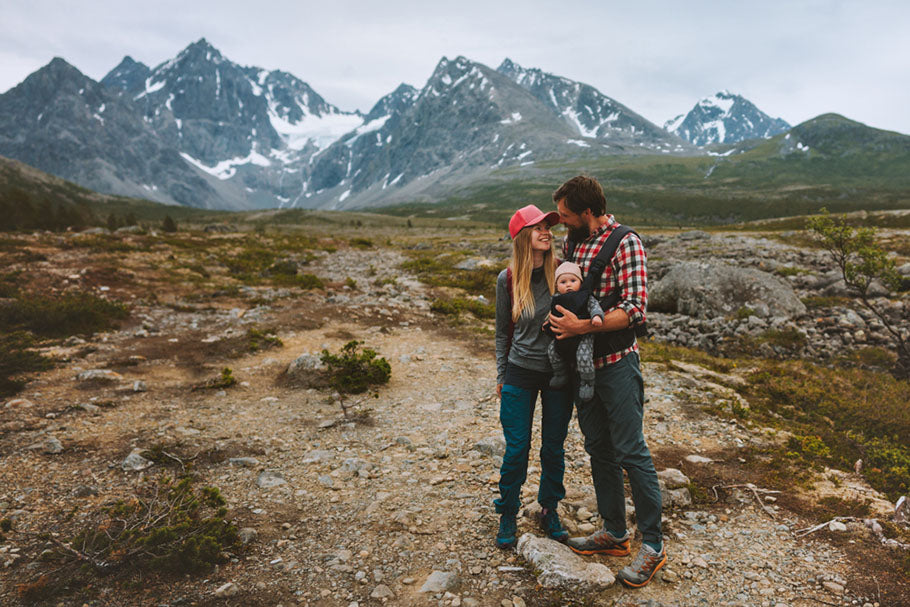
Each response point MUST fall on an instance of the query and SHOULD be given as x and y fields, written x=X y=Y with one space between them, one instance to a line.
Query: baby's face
x=568 y=283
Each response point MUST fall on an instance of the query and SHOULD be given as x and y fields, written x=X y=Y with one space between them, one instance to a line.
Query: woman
x=523 y=372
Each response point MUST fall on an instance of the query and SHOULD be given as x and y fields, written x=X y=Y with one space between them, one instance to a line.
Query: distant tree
x=861 y=260
x=131 y=219
x=410 y=225
x=168 y=225
x=113 y=222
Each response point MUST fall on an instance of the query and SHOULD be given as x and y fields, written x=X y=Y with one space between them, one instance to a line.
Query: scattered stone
x=902 y=510
x=247 y=535
x=441 y=581
x=85 y=491
x=135 y=462
x=304 y=365
x=833 y=588
x=491 y=445
x=314 y=456
x=837 y=526
x=698 y=459
x=561 y=568
x=99 y=375
x=20 y=403
x=244 y=462
x=673 y=478
x=140 y=386
x=669 y=576
x=382 y=592
x=268 y=479
x=89 y=407
x=51 y=445
x=229 y=589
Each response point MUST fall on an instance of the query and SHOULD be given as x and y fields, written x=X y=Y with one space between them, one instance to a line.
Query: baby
x=568 y=282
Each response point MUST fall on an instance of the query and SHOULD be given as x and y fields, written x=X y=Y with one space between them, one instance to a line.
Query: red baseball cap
x=528 y=216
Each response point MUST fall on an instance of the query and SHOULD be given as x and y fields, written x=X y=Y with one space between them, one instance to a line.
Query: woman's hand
x=498 y=390
x=568 y=325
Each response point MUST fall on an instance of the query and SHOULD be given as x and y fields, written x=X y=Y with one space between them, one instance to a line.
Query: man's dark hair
x=582 y=193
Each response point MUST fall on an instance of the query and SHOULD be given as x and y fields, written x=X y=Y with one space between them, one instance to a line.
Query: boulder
x=713 y=289
x=561 y=568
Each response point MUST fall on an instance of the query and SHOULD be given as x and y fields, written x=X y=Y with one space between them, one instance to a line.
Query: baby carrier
x=576 y=302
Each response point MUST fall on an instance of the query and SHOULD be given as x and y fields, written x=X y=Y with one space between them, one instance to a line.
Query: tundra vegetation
x=829 y=413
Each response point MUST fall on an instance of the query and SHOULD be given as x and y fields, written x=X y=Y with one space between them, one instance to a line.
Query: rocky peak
x=129 y=76
x=724 y=117
x=588 y=111
x=395 y=102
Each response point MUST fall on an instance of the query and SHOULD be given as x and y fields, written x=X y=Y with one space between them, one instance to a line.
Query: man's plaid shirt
x=626 y=271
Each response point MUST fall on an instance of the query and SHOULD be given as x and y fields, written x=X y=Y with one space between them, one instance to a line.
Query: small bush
x=170 y=526
x=225 y=380
x=744 y=312
x=353 y=372
x=350 y=283
x=17 y=360
x=456 y=305
x=814 y=302
x=168 y=226
x=61 y=315
x=362 y=243
x=302 y=281
x=262 y=339
x=789 y=339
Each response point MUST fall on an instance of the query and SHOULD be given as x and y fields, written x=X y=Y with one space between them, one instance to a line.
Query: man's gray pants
x=612 y=426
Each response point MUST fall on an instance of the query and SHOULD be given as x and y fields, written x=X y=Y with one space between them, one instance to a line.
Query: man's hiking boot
x=601 y=542
x=549 y=522
x=643 y=568
x=508 y=528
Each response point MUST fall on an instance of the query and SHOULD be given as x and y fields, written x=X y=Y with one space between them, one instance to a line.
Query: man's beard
x=578 y=234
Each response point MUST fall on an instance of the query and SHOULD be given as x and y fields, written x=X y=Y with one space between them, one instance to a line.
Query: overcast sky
x=794 y=59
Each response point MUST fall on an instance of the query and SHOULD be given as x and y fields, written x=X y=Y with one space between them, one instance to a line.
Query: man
x=611 y=422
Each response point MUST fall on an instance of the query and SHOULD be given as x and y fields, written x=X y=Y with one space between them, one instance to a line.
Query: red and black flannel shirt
x=626 y=271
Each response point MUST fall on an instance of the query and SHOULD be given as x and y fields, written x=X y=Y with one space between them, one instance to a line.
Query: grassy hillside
x=828 y=161
x=31 y=199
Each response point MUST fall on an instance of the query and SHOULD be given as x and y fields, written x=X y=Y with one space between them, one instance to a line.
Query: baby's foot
x=558 y=380
x=585 y=391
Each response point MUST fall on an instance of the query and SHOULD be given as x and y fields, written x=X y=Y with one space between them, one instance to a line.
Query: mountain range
x=200 y=130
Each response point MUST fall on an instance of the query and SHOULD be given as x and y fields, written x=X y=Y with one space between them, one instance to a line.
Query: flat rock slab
x=561 y=568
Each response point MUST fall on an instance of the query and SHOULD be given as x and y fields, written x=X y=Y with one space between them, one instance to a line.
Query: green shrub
x=302 y=281
x=262 y=339
x=17 y=359
x=170 y=526
x=353 y=372
x=225 y=380
x=61 y=315
x=821 y=301
x=790 y=339
x=168 y=226
x=744 y=312
x=456 y=305
x=361 y=243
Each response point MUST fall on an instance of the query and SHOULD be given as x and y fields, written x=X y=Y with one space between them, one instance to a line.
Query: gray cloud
x=794 y=59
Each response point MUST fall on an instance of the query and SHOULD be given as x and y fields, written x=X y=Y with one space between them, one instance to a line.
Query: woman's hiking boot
x=508 y=528
x=549 y=522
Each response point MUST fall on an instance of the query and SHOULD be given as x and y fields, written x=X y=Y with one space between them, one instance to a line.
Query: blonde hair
x=522 y=264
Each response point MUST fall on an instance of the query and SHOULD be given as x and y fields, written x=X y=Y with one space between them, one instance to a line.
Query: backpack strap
x=605 y=256
x=511 y=297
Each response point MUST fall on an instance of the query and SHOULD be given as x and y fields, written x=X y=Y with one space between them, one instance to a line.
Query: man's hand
x=597 y=321
x=498 y=390
x=568 y=325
